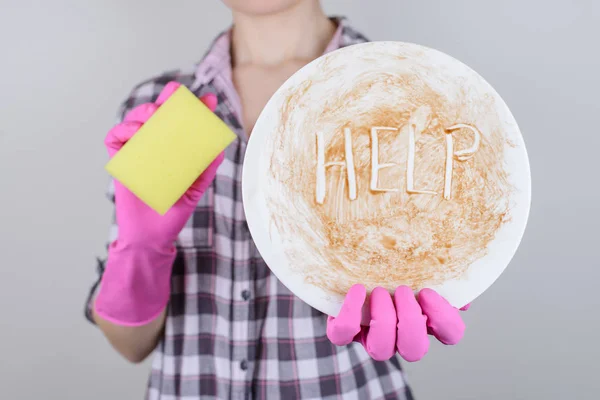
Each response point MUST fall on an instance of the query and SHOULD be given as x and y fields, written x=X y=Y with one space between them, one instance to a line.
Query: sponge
x=170 y=151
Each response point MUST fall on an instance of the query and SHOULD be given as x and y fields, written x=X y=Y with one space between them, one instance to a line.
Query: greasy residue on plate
x=387 y=238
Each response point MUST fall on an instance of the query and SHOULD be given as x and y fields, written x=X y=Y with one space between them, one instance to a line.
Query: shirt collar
x=217 y=60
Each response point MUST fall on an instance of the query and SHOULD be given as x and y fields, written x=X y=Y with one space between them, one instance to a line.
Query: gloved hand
x=401 y=324
x=135 y=286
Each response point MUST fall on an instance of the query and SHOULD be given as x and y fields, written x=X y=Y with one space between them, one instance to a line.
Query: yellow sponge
x=170 y=151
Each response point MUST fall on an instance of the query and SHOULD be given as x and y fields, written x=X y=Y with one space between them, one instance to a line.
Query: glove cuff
x=136 y=284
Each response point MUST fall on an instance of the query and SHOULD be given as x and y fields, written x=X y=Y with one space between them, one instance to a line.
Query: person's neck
x=299 y=33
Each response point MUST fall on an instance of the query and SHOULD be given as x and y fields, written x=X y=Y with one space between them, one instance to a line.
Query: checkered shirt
x=233 y=331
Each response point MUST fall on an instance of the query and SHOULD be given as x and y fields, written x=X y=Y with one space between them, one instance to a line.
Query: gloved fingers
x=119 y=135
x=342 y=329
x=210 y=100
x=167 y=91
x=443 y=320
x=379 y=339
x=412 y=340
x=141 y=113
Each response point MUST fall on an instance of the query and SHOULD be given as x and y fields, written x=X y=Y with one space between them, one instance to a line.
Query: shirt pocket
x=198 y=232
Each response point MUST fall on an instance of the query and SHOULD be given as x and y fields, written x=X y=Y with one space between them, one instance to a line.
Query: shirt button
x=246 y=295
x=244 y=365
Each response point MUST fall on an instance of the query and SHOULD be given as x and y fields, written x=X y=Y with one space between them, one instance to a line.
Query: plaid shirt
x=233 y=331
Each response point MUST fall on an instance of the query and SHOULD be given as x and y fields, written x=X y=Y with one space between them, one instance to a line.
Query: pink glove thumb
x=401 y=325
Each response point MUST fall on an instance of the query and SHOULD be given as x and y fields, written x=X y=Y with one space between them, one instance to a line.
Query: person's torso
x=233 y=331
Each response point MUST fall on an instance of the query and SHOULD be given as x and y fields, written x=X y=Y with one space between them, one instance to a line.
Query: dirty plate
x=386 y=164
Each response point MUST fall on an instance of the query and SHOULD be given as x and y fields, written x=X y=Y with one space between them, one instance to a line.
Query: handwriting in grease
x=376 y=166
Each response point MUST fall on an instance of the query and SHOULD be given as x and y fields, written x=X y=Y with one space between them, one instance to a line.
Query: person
x=191 y=286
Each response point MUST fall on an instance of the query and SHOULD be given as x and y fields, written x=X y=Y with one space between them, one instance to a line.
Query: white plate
x=457 y=242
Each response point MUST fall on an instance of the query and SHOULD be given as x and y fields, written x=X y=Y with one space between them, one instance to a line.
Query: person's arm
x=135 y=284
x=135 y=343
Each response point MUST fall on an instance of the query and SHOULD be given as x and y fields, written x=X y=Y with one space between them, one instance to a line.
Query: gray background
x=66 y=65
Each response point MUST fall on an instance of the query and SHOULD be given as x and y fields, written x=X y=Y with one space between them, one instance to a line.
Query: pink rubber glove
x=399 y=324
x=135 y=286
